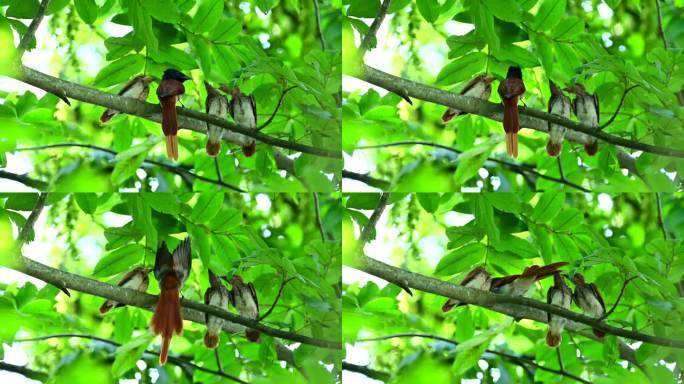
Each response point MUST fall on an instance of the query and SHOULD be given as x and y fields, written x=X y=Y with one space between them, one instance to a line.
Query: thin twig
x=171 y=167
x=317 y=210
x=661 y=222
x=31 y=31
x=174 y=360
x=365 y=178
x=617 y=300
x=219 y=175
x=660 y=25
x=25 y=231
x=218 y=360
x=372 y=221
x=560 y=360
x=364 y=370
x=275 y=111
x=617 y=111
x=33 y=183
x=517 y=359
x=280 y=292
x=27 y=372
x=518 y=168
x=560 y=168
x=318 y=24
x=373 y=29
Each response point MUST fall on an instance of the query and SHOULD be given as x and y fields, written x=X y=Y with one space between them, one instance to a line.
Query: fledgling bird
x=559 y=104
x=137 y=88
x=169 y=89
x=510 y=90
x=589 y=299
x=586 y=108
x=478 y=278
x=170 y=270
x=243 y=110
x=216 y=295
x=479 y=87
x=135 y=279
x=244 y=299
x=520 y=285
x=559 y=294
x=217 y=105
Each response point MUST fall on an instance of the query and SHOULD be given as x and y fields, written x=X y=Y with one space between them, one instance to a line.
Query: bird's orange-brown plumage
x=167 y=318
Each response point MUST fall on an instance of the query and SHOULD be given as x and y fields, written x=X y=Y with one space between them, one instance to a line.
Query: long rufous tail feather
x=511 y=126
x=172 y=147
x=170 y=126
x=167 y=318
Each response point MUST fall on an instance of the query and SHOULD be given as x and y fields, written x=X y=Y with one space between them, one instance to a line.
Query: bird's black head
x=173 y=74
x=514 y=73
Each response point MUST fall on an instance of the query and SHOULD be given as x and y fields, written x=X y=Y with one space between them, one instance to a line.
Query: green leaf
x=128 y=354
x=548 y=206
x=208 y=15
x=201 y=244
x=21 y=201
x=470 y=162
x=567 y=220
x=467 y=358
x=460 y=259
x=484 y=24
x=504 y=201
x=22 y=9
x=162 y=202
x=119 y=260
x=364 y=8
x=516 y=245
x=120 y=71
x=125 y=169
x=87 y=9
x=565 y=246
x=142 y=217
x=505 y=10
x=227 y=31
x=162 y=10
x=142 y=26
x=429 y=9
x=202 y=54
x=207 y=206
x=224 y=254
x=543 y=48
x=226 y=220
x=462 y=68
x=462 y=235
x=569 y=28
x=87 y=202
x=484 y=214
x=549 y=14
x=429 y=201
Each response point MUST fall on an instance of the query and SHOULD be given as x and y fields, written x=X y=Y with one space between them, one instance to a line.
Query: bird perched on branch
x=169 y=89
x=559 y=104
x=589 y=299
x=478 y=278
x=244 y=299
x=136 y=279
x=243 y=110
x=216 y=295
x=170 y=270
x=586 y=107
x=510 y=90
x=520 y=285
x=559 y=294
x=137 y=88
x=479 y=87
x=216 y=105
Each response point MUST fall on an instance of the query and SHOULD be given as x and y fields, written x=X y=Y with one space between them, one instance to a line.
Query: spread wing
x=181 y=254
x=499 y=281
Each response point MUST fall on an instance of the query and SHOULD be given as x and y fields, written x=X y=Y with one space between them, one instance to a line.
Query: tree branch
x=318 y=24
x=661 y=222
x=661 y=30
x=33 y=183
x=179 y=361
x=530 y=118
x=515 y=358
x=518 y=168
x=187 y=118
x=25 y=231
x=516 y=306
x=373 y=29
x=617 y=111
x=372 y=222
x=364 y=178
x=179 y=170
x=22 y=370
x=317 y=211
x=368 y=372
x=192 y=310
x=31 y=31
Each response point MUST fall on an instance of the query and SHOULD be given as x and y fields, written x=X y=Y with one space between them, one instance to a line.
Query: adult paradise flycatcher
x=479 y=87
x=244 y=299
x=169 y=89
x=170 y=270
x=559 y=294
x=478 y=278
x=559 y=104
x=137 y=88
x=510 y=90
x=135 y=279
x=216 y=295
x=216 y=105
